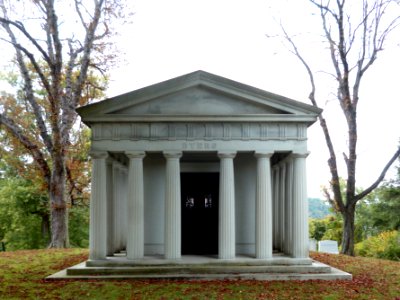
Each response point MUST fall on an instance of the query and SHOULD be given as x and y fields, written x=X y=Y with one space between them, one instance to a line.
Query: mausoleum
x=198 y=167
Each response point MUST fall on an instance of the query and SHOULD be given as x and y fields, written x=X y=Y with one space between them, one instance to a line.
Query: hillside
x=23 y=274
x=317 y=208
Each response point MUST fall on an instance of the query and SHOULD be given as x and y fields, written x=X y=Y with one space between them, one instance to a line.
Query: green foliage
x=317 y=208
x=328 y=228
x=79 y=226
x=384 y=245
x=386 y=208
x=380 y=211
x=23 y=215
x=317 y=228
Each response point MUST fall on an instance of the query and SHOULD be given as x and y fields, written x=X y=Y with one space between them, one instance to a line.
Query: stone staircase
x=200 y=268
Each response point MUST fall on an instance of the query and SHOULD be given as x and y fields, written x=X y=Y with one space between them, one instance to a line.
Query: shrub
x=385 y=245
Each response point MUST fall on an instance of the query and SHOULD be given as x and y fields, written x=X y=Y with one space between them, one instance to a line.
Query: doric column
x=300 y=207
x=289 y=207
x=282 y=199
x=135 y=238
x=110 y=210
x=98 y=221
x=124 y=197
x=173 y=206
x=263 y=206
x=275 y=208
x=226 y=233
x=119 y=207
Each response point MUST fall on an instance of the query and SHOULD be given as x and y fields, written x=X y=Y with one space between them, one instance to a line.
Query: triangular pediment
x=198 y=100
x=196 y=95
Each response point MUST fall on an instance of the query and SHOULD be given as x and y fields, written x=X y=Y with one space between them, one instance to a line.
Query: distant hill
x=318 y=208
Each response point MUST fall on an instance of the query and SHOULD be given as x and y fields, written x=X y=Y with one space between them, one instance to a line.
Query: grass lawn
x=23 y=272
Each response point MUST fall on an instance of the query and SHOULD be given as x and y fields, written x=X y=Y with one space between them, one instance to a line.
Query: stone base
x=203 y=268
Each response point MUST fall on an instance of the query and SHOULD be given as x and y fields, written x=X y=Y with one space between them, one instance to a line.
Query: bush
x=385 y=245
x=79 y=226
x=328 y=228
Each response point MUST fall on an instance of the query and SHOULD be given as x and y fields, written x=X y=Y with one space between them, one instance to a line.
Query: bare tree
x=54 y=60
x=354 y=44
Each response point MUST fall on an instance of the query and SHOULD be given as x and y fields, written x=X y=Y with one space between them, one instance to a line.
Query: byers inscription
x=199 y=146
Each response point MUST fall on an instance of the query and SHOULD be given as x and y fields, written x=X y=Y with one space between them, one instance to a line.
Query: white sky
x=227 y=37
x=170 y=38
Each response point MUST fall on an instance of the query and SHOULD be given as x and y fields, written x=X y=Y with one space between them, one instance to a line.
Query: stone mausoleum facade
x=198 y=165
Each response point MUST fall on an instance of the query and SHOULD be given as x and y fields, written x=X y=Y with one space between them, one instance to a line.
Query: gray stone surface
x=203 y=117
x=312 y=245
x=328 y=246
x=197 y=268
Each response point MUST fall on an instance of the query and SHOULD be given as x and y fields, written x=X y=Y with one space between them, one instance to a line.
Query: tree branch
x=28 y=89
x=22 y=29
x=332 y=159
x=32 y=148
x=380 y=178
x=70 y=105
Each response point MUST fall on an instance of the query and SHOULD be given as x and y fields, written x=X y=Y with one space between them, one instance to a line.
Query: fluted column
x=275 y=208
x=110 y=210
x=263 y=206
x=226 y=230
x=300 y=207
x=124 y=197
x=173 y=206
x=282 y=199
x=135 y=232
x=98 y=198
x=118 y=206
x=289 y=207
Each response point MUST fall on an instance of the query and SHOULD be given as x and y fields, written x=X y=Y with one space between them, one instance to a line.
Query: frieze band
x=199 y=131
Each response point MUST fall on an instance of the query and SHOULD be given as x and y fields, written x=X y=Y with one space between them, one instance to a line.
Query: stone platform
x=203 y=268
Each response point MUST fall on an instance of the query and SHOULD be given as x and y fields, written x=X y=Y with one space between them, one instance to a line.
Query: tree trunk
x=58 y=205
x=45 y=226
x=348 y=230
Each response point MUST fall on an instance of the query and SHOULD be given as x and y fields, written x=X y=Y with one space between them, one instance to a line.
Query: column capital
x=262 y=154
x=98 y=154
x=226 y=154
x=172 y=154
x=135 y=154
x=300 y=154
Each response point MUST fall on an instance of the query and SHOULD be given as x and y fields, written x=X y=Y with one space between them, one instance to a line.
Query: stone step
x=197 y=270
x=198 y=260
x=333 y=274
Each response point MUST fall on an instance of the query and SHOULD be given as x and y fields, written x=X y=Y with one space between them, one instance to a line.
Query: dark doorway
x=199 y=192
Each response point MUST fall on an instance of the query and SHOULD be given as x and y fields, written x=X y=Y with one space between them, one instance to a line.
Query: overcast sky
x=166 y=39
x=229 y=38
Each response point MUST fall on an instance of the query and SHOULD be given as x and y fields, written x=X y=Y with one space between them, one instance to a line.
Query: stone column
x=226 y=230
x=135 y=238
x=172 y=240
x=263 y=206
x=300 y=207
x=124 y=210
x=110 y=210
x=282 y=199
x=98 y=203
x=275 y=209
x=289 y=207
x=118 y=207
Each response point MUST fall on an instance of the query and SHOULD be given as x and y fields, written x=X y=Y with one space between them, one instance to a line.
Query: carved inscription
x=199 y=146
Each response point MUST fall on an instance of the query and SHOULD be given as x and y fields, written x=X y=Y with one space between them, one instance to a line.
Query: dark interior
x=199 y=194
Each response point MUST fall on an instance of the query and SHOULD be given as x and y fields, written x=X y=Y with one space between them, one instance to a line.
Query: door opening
x=199 y=194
